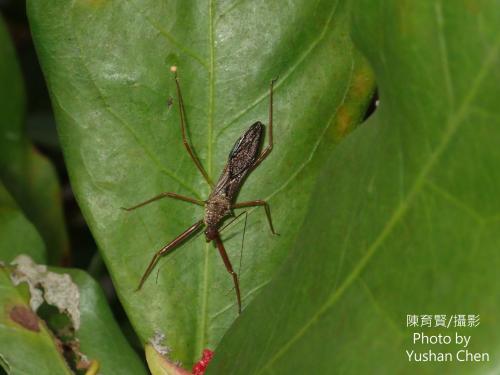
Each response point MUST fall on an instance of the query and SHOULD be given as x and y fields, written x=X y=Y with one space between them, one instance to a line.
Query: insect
x=244 y=157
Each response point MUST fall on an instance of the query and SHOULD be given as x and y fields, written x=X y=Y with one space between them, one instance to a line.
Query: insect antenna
x=243 y=241
x=232 y=221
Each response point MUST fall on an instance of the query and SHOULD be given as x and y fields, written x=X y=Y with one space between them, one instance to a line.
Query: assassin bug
x=243 y=158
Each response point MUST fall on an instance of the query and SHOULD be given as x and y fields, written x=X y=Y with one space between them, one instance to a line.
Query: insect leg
x=164 y=195
x=229 y=268
x=269 y=148
x=165 y=249
x=255 y=203
x=244 y=231
x=182 y=115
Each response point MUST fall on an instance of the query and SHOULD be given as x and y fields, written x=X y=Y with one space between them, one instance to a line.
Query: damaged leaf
x=99 y=335
x=57 y=290
x=93 y=339
x=26 y=344
x=25 y=317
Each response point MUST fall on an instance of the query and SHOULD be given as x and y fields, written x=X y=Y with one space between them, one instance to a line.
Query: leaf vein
x=454 y=200
x=169 y=37
x=126 y=126
x=443 y=50
x=328 y=124
x=285 y=76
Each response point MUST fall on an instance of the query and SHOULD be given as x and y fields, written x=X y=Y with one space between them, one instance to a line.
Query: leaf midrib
x=202 y=334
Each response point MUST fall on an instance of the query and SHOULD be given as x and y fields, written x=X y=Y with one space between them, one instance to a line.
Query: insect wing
x=246 y=150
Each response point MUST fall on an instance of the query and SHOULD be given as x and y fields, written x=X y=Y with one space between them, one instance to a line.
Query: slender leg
x=259 y=202
x=244 y=231
x=164 y=195
x=165 y=249
x=229 y=267
x=269 y=148
x=183 y=130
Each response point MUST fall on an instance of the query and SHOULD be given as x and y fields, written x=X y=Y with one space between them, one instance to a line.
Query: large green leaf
x=107 y=65
x=406 y=216
x=28 y=175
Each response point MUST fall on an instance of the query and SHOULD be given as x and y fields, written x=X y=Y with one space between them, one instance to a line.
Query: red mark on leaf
x=25 y=317
x=200 y=367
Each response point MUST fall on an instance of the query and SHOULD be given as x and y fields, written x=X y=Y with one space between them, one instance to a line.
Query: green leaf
x=99 y=334
x=28 y=175
x=159 y=365
x=99 y=337
x=26 y=344
x=405 y=218
x=107 y=65
x=18 y=235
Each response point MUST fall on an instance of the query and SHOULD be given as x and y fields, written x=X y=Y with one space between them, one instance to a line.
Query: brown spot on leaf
x=362 y=82
x=59 y=345
x=25 y=317
x=344 y=122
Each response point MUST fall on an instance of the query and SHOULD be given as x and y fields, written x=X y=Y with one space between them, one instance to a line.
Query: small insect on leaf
x=244 y=157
